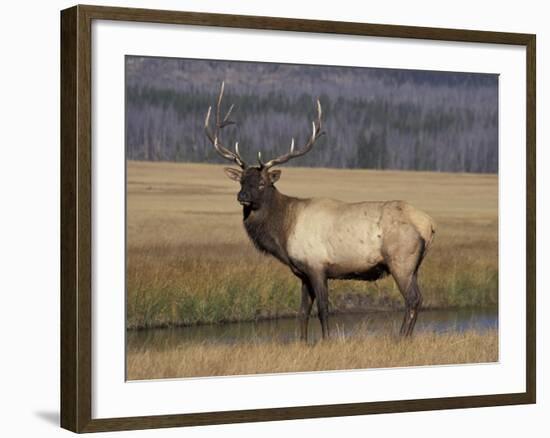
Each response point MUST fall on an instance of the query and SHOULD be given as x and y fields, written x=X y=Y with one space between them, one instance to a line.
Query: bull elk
x=322 y=239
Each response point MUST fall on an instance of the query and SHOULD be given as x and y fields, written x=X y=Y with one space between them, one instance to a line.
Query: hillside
x=373 y=118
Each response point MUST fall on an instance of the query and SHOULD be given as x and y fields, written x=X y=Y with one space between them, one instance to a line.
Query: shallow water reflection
x=287 y=329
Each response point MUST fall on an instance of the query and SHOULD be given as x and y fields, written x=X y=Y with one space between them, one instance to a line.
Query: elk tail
x=428 y=240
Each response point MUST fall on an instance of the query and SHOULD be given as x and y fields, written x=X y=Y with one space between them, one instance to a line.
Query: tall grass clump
x=178 y=289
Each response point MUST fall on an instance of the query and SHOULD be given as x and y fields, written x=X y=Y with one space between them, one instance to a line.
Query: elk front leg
x=320 y=288
x=305 y=308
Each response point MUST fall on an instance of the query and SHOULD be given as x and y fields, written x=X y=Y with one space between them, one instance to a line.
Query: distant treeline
x=373 y=118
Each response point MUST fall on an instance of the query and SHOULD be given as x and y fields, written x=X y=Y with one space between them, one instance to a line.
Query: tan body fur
x=346 y=240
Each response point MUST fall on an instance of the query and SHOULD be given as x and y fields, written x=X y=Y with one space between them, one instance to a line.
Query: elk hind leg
x=414 y=301
x=405 y=276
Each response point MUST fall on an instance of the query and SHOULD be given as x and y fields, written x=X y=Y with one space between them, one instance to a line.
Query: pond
x=287 y=329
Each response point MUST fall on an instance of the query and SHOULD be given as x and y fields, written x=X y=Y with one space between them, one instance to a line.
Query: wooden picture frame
x=76 y=217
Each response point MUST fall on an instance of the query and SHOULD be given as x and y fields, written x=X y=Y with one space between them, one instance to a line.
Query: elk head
x=257 y=182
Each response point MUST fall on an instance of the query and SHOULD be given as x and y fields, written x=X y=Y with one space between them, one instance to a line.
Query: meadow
x=338 y=353
x=189 y=260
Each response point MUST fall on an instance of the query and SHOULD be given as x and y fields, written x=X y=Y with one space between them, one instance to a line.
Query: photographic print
x=288 y=218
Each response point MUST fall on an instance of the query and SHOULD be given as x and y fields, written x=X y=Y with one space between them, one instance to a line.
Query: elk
x=322 y=239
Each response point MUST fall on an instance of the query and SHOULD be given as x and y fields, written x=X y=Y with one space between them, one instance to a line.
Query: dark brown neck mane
x=268 y=227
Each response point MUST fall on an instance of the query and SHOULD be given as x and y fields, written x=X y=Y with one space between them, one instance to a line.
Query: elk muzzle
x=244 y=198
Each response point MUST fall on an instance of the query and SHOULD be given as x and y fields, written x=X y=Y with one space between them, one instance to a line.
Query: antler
x=304 y=150
x=214 y=137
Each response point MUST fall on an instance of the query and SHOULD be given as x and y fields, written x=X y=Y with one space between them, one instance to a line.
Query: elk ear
x=234 y=174
x=274 y=176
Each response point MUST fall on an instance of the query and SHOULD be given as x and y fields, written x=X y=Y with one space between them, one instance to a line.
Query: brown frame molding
x=76 y=309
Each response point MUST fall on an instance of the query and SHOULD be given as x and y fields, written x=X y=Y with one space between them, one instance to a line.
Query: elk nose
x=243 y=197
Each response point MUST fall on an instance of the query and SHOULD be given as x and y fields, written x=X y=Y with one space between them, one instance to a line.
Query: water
x=287 y=329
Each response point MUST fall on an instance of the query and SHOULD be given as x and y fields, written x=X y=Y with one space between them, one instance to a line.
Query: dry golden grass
x=190 y=261
x=202 y=359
